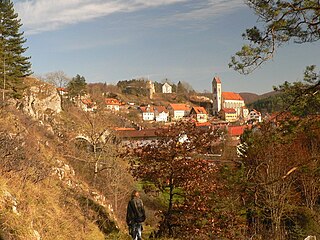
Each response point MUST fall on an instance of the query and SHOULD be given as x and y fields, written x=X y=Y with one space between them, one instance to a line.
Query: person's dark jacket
x=135 y=211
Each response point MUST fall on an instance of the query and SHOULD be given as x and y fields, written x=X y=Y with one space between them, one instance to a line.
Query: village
x=223 y=109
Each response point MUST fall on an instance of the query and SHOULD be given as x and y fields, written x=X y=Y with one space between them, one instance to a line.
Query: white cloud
x=48 y=15
x=208 y=9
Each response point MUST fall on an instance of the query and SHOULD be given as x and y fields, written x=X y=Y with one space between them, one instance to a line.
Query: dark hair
x=133 y=194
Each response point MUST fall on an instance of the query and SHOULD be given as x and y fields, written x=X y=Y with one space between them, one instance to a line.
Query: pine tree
x=77 y=86
x=13 y=65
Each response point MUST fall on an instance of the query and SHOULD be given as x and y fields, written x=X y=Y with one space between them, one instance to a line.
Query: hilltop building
x=166 y=88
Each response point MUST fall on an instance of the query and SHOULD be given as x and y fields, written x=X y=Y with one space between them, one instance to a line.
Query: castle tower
x=151 y=89
x=216 y=91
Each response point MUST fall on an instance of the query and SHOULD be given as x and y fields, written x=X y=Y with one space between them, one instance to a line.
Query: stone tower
x=150 y=88
x=217 y=92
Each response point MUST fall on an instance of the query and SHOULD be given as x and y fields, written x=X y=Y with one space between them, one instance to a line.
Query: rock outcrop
x=40 y=100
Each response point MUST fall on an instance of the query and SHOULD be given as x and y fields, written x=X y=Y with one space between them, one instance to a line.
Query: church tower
x=216 y=91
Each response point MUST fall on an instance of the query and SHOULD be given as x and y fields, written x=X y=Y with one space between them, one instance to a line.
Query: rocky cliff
x=40 y=100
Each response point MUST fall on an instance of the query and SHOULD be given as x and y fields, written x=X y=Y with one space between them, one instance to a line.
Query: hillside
x=47 y=189
x=253 y=97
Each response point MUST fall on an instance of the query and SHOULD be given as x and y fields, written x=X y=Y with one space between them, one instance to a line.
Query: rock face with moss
x=40 y=100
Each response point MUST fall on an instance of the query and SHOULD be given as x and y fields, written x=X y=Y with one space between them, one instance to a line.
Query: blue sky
x=182 y=40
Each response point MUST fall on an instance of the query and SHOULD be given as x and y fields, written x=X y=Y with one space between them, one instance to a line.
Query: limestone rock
x=40 y=99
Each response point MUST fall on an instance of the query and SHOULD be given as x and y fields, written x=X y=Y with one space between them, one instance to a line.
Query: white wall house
x=199 y=114
x=162 y=117
x=161 y=114
x=255 y=115
x=147 y=113
x=112 y=104
x=166 y=88
x=178 y=111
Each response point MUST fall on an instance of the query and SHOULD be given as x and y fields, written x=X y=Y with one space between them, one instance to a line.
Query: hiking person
x=135 y=216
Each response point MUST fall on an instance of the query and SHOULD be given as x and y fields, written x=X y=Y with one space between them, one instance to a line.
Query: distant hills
x=253 y=97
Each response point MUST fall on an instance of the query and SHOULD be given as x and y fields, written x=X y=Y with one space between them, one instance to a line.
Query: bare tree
x=57 y=78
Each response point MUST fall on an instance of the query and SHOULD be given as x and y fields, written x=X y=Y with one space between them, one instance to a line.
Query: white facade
x=235 y=104
x=148 y=116
x=162 y=117
x=113 y=107
x=179 y=114
x=166 y=88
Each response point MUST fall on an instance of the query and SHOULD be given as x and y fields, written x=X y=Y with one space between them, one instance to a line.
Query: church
x=228 y=102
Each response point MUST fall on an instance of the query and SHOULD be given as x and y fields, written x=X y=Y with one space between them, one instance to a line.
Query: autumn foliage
x=176 y=165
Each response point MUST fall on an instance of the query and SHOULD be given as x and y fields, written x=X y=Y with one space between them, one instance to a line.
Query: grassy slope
x=45 y=205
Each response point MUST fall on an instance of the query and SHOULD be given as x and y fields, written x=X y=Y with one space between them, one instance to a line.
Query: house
x=161 y=113
x=229 y=114
x=254 y=116
x=166 y=88
x=200 y=114
x=112 y=104
x=87 y=105
x=178 y=111
x=62 y=91
x=235 y=132
x=147 y=113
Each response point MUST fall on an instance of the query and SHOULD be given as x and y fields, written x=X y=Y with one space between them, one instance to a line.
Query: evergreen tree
x=13 y=65
x=77 y=86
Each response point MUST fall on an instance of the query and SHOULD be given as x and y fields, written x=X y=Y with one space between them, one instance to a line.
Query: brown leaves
x=175 y=163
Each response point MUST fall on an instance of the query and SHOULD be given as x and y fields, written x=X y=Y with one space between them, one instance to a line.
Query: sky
x=181 y=40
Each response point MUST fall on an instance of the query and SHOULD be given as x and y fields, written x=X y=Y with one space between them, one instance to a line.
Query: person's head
x=135 y=193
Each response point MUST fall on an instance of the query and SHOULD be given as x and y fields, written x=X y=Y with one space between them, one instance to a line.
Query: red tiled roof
x=124 y=129
x=179 y=107
x=236 y=130
x=136 y=133
x=217 y=79
x=160 y=109
x=199 y=110
x=147 y=109
x=231 y=96
x=229 y=110
x=87 y=102
x=205 y=124
x=61 y=89
x=112 y=101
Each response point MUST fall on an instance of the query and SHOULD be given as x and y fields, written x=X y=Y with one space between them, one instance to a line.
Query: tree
x=281 y=164
x=13 y=65
x=175 y=164
x=302 y=98
x=57 y=78
x=282 y=21
x=95 y=155
x=77 y=86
